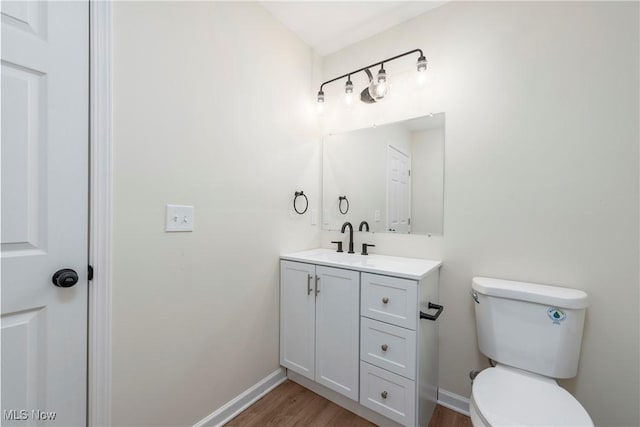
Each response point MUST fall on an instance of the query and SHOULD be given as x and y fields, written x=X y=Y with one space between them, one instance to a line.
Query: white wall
x=541 y=169
x=211 y=108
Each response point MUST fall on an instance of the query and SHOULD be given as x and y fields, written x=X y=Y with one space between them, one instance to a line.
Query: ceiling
x=328 y=26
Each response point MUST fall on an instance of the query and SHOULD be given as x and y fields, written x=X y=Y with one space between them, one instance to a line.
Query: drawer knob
x=383 y=394
x=385 y=300
x=384 y=347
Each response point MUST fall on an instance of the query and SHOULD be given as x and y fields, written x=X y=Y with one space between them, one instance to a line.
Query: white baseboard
x=247 y=398
x=453 y=401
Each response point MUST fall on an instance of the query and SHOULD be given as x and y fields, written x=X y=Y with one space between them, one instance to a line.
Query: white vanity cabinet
x=364 y=327
x=319 y=324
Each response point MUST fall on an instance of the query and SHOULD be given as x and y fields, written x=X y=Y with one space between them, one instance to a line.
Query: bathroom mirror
x=391 y=176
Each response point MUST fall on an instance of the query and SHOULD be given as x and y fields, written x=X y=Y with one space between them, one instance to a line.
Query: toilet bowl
x=506 y=396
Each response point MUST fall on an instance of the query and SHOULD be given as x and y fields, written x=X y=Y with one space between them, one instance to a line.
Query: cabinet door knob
x=385 y=300
x=309 y=290
x=383 y=394
x=384 y=347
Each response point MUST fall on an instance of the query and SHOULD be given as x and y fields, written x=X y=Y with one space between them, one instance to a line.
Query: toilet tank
x=533 y=327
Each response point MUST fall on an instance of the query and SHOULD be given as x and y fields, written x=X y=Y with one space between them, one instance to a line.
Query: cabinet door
x=337 y=330
x=297 y=317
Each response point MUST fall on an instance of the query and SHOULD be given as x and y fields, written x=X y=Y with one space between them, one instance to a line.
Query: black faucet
x=344 y=227
x=364 y=224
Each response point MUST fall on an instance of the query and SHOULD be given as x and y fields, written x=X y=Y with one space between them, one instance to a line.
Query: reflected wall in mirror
x=392 y=176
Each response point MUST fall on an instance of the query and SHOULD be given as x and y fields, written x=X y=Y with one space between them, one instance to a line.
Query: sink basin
x=410 y=268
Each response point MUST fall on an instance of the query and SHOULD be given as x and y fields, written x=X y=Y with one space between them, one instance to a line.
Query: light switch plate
x=376 y=216
x=314 y=217
x=179 y=218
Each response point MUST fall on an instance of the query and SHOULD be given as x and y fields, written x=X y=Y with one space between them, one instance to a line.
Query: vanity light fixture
x=377 y=89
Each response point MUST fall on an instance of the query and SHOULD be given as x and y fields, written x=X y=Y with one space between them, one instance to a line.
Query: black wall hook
x=296 y=195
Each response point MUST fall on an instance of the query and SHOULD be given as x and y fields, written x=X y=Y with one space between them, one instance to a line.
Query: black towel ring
x=341 y=198
x=295 y=208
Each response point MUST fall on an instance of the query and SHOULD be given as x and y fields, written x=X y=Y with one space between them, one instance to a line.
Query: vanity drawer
x=387 y=346
x=390 y=299
x=388 y=394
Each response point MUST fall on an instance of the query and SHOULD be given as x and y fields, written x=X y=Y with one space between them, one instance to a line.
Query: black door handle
x=433 y=317
x=65 y=278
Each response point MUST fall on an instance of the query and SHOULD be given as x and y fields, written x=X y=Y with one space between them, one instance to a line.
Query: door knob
x=65 y=278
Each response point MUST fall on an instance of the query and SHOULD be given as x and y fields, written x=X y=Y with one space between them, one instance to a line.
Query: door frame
x=100 y=214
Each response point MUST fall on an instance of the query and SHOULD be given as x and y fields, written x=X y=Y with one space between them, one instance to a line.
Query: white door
x=44 y=211
x=297 y=317
x=338 y=330
x=398 y=191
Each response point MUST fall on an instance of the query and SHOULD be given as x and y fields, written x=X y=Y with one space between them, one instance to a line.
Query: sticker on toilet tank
x=556 y=315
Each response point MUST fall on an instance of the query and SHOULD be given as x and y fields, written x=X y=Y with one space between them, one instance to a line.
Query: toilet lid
x=509 y=397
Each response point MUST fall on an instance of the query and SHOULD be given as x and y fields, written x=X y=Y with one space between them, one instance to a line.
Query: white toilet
x=534 y=333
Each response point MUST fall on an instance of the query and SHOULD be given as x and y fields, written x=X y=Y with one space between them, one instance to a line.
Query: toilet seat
x=505 y=396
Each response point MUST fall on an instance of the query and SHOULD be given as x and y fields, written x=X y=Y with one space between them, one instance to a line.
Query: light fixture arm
x=372 y=65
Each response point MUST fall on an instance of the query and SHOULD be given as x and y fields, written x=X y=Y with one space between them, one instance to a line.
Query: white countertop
x=408 y=268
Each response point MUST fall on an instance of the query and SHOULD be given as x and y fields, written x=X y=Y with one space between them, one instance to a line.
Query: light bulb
x=380 y=89
x=377 y=91
x=421 y=67
x=320 y=101
x=348 y=92
x=422 y=64
x=382 y=75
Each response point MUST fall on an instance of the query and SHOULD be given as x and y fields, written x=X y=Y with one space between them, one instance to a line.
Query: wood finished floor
x=290 y=404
